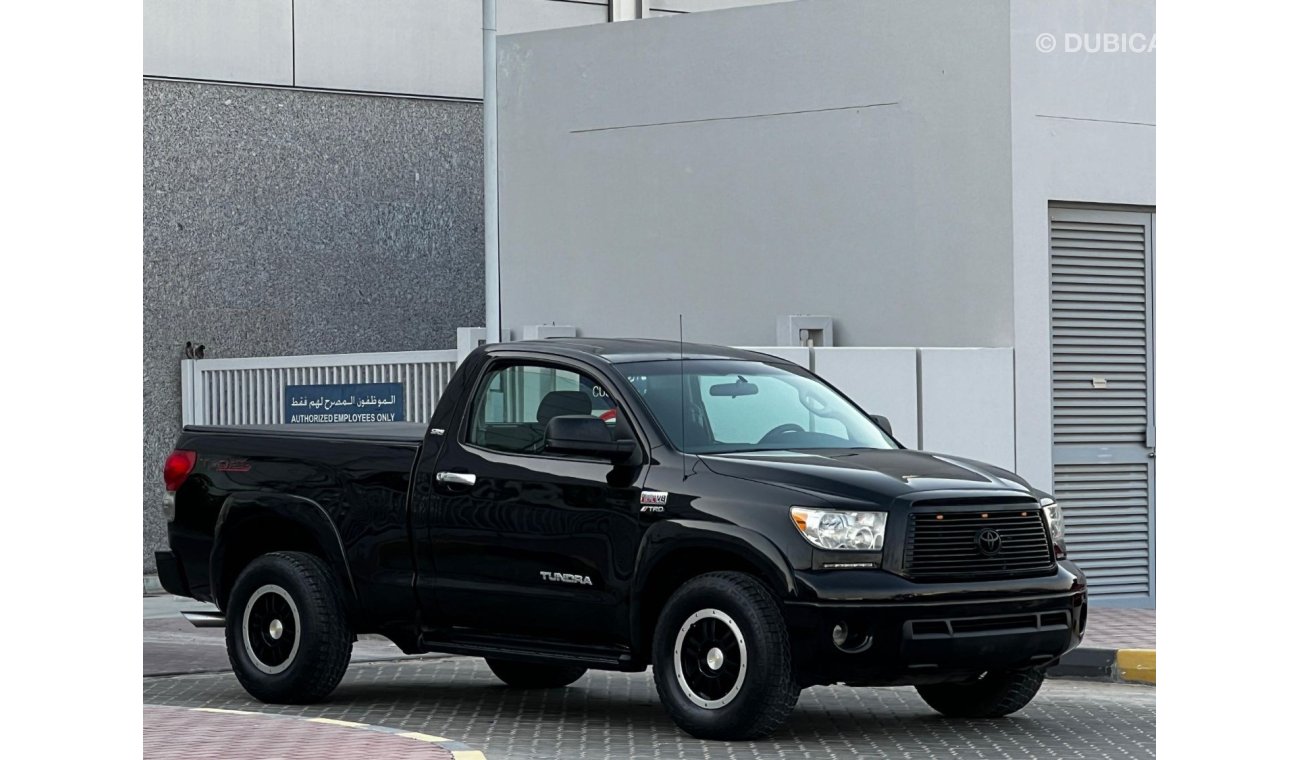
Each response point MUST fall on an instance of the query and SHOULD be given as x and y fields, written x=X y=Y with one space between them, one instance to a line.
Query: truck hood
x=875 y=475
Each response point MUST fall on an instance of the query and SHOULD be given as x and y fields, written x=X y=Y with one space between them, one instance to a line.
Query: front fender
x=243 y=509
x=670 y=538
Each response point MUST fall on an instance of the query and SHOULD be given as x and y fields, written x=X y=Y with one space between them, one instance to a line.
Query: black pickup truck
x=724 y=516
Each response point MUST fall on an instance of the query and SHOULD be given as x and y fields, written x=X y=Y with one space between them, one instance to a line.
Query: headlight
x=860 y=531
x=1054 y=522
x=1055 y=525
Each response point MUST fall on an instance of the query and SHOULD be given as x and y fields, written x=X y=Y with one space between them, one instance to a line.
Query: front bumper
x=933 y=634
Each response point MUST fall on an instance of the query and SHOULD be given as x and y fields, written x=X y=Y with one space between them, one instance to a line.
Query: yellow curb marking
x=467 y=754
x=333 y=722
x=1137 y=665
x=223 y=711
x=423 y=737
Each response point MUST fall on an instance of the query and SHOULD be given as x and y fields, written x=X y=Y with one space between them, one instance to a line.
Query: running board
x=599 y=658
x=205 y=619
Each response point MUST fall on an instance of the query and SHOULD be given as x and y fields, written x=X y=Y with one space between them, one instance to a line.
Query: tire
x=993 y=696
x=528 y=675
x=287 y=633
x=721 y=656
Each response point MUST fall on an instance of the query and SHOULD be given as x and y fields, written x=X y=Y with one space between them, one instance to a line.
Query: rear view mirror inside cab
x=741 y=387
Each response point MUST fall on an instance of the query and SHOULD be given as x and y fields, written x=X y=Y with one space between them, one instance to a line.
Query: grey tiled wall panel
x=286 y=222
x=425 y=47
x=698 y=6
x=225 y=40
x=405 y=47
x=417 y=47
x=517 y=16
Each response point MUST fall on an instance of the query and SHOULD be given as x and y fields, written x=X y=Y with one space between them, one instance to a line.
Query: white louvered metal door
x=1103 y=426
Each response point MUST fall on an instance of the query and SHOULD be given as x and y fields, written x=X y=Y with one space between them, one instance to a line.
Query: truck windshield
x=724 y=406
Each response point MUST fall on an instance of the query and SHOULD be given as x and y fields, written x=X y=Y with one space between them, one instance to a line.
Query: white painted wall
x=519 y=16
x=696 y=6
x=1082 y=130
x=880 y=380
x=840 y=157
x=967 y=404
x=795 y=354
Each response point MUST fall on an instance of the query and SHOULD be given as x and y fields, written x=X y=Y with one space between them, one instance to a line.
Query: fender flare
x=303 y=512
x=669 y=536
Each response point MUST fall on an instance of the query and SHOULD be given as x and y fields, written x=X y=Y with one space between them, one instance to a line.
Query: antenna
x=681 y=373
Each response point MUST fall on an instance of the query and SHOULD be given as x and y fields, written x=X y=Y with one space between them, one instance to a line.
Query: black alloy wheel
x=710 y=658
x=271 y=627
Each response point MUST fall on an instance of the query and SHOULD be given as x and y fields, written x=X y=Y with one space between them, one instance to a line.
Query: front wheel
x=721 y=656
x=991 y=696
x=287 y=631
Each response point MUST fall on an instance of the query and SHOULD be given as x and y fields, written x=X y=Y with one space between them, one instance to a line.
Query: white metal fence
x=251 y=391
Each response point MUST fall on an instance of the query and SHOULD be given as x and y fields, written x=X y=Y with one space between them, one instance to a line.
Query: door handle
x=457 y=478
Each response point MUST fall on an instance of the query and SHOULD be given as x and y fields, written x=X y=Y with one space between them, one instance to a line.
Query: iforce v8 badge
x=653 y=501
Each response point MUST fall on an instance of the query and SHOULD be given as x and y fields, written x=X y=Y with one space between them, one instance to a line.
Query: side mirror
x=883 y=423
x=584 y=435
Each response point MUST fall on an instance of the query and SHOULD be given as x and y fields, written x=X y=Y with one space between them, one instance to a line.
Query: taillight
x=179 y=464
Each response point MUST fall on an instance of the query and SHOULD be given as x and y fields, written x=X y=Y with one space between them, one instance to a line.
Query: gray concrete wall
x=843 y=157
x=1083 y=130
x=286 y=222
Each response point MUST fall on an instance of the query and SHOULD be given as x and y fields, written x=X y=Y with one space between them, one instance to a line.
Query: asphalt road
x=617 y=715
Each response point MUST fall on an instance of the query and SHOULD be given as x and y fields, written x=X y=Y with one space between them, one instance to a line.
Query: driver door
x=531 y=542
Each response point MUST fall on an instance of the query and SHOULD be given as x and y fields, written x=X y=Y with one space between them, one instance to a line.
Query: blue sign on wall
x=356 y=402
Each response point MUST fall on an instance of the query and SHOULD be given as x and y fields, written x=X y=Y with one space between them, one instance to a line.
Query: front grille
x=945 y=545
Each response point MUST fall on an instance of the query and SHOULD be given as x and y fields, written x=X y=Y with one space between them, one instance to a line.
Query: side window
x=515 y=402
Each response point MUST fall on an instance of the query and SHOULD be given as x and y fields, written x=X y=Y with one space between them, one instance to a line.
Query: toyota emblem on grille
x=988 y=541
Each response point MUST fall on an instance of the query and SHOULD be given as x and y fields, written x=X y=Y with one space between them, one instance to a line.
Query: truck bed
x=357 y=475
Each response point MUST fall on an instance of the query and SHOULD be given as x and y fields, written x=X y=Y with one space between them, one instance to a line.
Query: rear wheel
x=991 y=696
x=287 y=633
x=721 y=655
x=527 y=675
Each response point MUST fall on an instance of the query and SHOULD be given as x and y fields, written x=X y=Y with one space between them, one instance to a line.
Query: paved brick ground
x=177 y=733
x=616 y=715
x=1120 y=629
